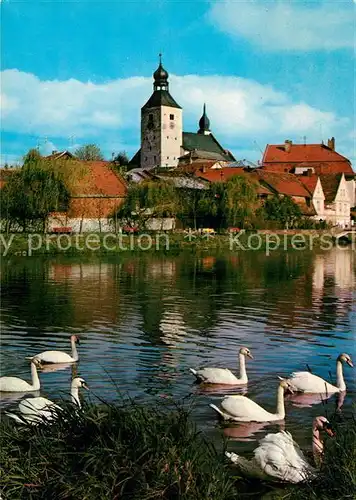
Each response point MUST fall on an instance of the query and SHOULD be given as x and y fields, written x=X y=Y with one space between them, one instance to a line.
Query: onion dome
x=204 y=123
x=160 y=77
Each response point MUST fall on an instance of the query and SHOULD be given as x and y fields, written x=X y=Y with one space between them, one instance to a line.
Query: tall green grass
x=127 y=450
x=337 y=477
x=112 y=452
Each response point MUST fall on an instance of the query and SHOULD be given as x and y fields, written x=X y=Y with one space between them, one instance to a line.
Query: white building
x=163 y=141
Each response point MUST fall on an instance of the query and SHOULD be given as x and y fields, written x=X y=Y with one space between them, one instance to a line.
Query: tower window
x=171 y=117
x=154 y=158
x=167 y=136
x=176 y=138
x=167 y=157
x=150 y=116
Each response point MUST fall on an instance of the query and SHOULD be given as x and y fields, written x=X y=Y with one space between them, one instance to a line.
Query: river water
x=144 y=320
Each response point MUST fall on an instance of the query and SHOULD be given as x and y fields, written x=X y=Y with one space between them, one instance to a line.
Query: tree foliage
x=32 y=193
x=282 y=210
x=149 y=199
x=89 y=152
x=221 y=205
x=121 y=159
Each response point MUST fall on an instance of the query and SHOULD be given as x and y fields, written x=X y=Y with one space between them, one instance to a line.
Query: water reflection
x=144 y=320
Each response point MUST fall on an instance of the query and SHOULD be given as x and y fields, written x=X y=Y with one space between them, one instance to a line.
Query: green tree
x=89 y=152
x=147 y=200
x=121 y=159
x=31 y=194
x=282 y=210
x=229 y=203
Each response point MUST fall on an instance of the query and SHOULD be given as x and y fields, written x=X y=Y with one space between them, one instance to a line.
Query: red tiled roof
x=283 y=183
x=330 y=184
x=99 y=179
x=220 y=174
x=224 y=174
x=309 y=181
x=301 y=153
x=319 y=156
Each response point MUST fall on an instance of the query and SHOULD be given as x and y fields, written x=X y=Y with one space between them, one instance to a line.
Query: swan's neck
x=35 y=379
x=318 y=446
x=243 y=374
x=340 y=383
x=280 y=403
x=75 y=396
x=74 y=350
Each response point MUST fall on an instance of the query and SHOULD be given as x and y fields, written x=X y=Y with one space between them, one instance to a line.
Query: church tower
x=161 y=125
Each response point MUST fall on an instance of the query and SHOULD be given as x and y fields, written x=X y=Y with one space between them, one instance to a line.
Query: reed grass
x=127 y=450
x=116 y=451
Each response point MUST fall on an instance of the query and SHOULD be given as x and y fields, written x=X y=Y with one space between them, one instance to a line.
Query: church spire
x=160 y=77
x=204 y=123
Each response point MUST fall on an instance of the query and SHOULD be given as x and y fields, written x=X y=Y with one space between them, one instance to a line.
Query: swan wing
x=14 y=384
x=307 y=382
x=245 y=409
x=29 y=406
x=279 y=456
x=217 y=376
x=54 y=357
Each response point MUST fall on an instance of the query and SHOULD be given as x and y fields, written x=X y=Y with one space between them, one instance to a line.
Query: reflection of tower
x=343 y=265
x=172 y=327
x=318 y=277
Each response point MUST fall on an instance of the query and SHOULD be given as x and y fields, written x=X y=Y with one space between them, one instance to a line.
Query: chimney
x=331 y=143
x=287 y=145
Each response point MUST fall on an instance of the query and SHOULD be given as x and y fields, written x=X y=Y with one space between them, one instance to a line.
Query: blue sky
x=78 y=72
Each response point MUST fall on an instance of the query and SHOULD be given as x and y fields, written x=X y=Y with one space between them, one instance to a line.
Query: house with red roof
x=96 y=191
x=330 y=196
x=95 y=195
x=297 y=158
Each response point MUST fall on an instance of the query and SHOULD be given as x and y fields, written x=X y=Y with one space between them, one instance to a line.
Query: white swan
x=223 y=375
x=35 y=410
x=279 y=458
x=241 y=409
x=15 y=384
x=307 y=382
x=59 y=356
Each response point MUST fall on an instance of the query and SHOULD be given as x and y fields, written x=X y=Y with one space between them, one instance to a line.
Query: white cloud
x=288 y=25
x=241 y=111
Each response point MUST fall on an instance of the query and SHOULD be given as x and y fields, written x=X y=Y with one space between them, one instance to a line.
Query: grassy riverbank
x=23 y=245
x=129 y=451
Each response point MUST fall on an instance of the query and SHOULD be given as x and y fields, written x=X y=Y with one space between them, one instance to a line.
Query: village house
x=95 y=195
x=96 y=191
x=325 y=173
x=296 y=158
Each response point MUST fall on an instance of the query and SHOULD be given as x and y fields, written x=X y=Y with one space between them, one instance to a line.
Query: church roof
x=161 y=98
x=208 y=143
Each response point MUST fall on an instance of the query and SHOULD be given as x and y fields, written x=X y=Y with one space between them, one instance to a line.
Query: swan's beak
x=85 y=386
x=78 y=341
x=350 y=363
x=249 y=355
x=329 y=430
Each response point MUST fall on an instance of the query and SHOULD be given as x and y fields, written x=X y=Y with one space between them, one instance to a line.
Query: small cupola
x=160 y=77
x=204 y=123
